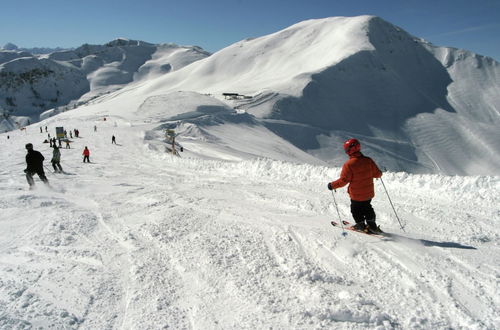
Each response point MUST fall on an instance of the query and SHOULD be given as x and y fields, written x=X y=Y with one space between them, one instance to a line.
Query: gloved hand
x=330 y=186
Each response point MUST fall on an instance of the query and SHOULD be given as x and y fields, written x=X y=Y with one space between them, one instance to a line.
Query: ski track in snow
x=139 y=239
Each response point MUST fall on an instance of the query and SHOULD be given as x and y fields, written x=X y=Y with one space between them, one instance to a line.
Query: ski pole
x=390 y=201
x=48 y=170
x=344 y=233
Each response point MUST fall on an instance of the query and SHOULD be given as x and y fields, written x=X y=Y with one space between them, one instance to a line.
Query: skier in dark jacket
x=34 y=162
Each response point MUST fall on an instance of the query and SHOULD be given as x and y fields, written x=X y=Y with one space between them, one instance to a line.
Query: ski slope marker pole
x=390 y=201
x=344 y=233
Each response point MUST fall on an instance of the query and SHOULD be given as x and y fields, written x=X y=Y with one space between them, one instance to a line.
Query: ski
x=349 y=226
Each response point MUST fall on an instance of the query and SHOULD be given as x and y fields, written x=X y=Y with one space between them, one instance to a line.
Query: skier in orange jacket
x=86 y=154
x=359 y=172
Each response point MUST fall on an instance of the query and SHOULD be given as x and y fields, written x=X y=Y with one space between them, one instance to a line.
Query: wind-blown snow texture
x=234 y=233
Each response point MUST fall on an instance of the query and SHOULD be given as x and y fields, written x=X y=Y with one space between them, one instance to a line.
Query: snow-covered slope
x=141 y=239
x=9 y=55
x=282 y=61
x=234 y=232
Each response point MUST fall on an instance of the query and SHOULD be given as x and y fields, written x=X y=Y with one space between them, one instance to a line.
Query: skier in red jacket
x=86 y=154
x=359 y=172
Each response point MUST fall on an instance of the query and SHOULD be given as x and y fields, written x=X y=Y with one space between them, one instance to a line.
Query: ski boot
x=359 y=226
x=373 y=228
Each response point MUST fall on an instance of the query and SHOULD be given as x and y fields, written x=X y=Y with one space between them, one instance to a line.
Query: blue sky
x=213 y=25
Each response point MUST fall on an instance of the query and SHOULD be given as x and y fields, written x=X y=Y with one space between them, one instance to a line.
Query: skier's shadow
x=425 y=242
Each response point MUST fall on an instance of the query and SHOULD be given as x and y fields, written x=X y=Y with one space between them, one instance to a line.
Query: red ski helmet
x=352 y=146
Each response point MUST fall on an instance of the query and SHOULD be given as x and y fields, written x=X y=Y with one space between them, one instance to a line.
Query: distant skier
x=95 y=128
x=359 y=172
x=113 y=140
x=56 y=160
x=86 y=155
x=34 y=164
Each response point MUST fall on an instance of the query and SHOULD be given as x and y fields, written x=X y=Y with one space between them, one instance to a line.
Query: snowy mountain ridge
x=34 y=50
x=419 y=107
x=31 y=84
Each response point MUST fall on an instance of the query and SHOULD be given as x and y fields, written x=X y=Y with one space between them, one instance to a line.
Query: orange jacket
x=359 y=172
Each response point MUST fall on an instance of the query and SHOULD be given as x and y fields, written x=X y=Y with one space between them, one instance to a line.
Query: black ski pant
x=362 y=211
x=41 y=175
x=57 y=166
x=86 y=158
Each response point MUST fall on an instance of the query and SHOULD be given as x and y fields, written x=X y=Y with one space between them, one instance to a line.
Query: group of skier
x=34 y=160
x=34 y=163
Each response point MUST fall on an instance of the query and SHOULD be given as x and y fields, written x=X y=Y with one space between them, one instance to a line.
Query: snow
x=219 y=238
x=62 y=80
x=419 y=107
x=234 y=232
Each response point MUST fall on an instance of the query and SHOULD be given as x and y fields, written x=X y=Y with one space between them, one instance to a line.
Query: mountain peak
x=10 y=46
x=127 y=42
